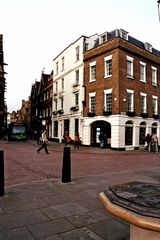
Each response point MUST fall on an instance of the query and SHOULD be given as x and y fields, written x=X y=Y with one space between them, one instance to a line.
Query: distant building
x=3 y=107
x=21 y=116
x=41 y=105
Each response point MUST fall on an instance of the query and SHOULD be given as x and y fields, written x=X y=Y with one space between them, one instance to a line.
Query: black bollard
x=66 y=168
x=1 y=173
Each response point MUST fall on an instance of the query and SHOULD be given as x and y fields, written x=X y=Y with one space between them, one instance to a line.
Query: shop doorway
x=129 y=133
x=142 y=133
x=96 y=128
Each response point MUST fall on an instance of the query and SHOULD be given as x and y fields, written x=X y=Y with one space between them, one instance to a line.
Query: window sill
x=130 y=76
x=94 y=80
x=142 y=81
x=107 y=76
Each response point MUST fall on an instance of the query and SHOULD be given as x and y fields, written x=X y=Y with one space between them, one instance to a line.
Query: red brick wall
x=119 y=82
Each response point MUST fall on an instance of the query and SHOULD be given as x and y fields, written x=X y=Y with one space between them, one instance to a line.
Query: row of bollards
x=1 y=173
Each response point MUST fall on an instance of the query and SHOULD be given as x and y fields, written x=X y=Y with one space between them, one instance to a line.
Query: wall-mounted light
x=124 y=99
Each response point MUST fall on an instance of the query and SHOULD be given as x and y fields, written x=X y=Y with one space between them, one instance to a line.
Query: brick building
x=41 y=105
x=122 y=91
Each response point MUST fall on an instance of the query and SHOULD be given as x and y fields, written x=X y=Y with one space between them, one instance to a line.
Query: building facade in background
x=68 y=88
x=41 y=105
x=122 y=81
x=108 y=83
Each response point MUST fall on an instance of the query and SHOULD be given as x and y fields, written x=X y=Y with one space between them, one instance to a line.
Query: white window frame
x=130 y=60
x=123 y=34
x=145 y=102
x=106 y=59
x=77 y=53
x=55 y=104
x=92 y=64
x=142 y=64
x=62 y=63
x=93 y=94
x=107 y=91
x=155 y=111
x=62 y=102
x=62 y=83
x=148 y=46
x=132 y=100
x=154 y=76
x=76 y=95
x=77 y=76
x=57 y=68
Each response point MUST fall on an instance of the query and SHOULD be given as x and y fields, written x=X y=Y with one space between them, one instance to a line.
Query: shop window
x=129 y=133
x=142 y=133
x=154 y=128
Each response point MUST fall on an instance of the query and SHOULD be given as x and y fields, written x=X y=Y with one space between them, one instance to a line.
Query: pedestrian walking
x=154 y=143
x=148 y=141
x=76 y=140
x=44 y=142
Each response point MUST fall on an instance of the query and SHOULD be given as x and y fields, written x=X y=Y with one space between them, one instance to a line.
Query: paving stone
x=50 y=228
x=91 y=203
x=8 y=221
x=81 y=220
x=23 y=204
x=64 y=210
x=81 y=233
x=1 y=211
x=16 y=234
x=100 y=214
x=55 y=237
x=110 y=229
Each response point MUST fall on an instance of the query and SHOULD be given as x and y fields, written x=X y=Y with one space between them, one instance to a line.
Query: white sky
x=36 y=31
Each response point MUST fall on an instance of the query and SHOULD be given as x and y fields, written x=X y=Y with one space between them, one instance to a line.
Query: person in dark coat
x=148 y=139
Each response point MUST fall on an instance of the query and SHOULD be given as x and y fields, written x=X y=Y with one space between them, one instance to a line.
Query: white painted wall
x=70 y=66
x=118 y=129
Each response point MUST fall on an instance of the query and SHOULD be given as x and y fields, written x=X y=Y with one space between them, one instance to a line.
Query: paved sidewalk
x=52 y=210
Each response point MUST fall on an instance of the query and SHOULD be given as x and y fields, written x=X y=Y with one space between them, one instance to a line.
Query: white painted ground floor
x=122 y=132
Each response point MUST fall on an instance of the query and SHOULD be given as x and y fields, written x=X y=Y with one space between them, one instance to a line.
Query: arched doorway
x=129 y=133
x=142 y=133
x=96 y=128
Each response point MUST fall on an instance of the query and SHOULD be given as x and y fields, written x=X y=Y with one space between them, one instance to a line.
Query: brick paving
x=37 y=205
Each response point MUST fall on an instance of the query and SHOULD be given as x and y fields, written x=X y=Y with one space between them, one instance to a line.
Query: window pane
x=93 y=72
x=129 y=98
x=108 y=67
x=129 y=68
x=108 y=102
x=92 y=102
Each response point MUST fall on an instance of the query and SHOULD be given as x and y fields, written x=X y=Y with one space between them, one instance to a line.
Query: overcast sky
x=36 y=31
